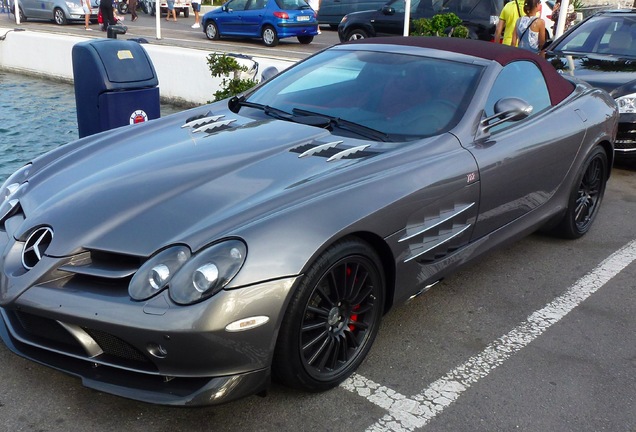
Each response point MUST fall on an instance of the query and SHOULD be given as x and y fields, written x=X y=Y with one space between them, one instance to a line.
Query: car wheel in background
x=212 y=31
x=59 y=17
x=186 y=12
x=332 y=318
x=122 y=8
x=305 y=39
x=270 y=37
x=356 y=34
x=23 y=18
x=586 y=196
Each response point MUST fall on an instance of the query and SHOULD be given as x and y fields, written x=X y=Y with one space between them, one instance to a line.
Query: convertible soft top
x=558 y=86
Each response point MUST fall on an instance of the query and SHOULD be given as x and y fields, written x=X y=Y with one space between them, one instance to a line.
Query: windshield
x=607 y=34
x=401 y=96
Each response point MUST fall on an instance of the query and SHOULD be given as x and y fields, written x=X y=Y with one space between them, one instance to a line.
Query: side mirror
x=388 y=10
x=507 y=109
x=268 y=73
x=224 y=8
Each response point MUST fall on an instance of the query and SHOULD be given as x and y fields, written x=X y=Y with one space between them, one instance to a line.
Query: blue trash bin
x=115 y=85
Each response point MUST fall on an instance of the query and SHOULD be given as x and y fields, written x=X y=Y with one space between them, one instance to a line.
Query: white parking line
x=407 y=414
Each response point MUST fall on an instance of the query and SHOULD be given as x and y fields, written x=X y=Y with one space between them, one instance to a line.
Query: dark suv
x=480 y=16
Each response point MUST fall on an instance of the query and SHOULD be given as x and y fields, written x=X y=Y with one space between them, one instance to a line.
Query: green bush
x=226 y=67
x=438 y=25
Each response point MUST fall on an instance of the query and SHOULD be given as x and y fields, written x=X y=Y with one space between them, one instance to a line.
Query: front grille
x=114 y=346
x=626 y=137
x=49 y=334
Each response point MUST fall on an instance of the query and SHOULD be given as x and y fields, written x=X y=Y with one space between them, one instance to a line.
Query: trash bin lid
x=125 y=61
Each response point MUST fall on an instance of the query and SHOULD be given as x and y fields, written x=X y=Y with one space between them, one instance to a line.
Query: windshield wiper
x=235 y=104
x=331 y=122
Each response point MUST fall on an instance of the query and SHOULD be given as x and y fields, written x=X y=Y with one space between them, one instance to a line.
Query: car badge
x=35 y=247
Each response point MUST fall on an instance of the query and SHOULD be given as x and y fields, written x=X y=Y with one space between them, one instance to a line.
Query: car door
x=521 y=164
x=231 y=20
x=253 y=17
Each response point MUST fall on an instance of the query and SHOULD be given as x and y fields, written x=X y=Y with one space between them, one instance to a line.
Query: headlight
x=8 y=199
x=155 y=274
x=207 y=272
x=73 y=5
x=343 y=20
x=627 y=104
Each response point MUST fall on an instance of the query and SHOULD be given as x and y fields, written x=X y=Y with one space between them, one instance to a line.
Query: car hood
x=609 y=73
x=150 y=185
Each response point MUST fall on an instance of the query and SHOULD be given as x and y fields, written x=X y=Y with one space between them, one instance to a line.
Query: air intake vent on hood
x=331 y=151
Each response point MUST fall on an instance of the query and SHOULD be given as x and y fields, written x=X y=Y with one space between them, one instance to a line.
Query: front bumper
x=152 y=351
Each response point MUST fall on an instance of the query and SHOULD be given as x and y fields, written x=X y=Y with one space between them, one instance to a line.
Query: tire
x=332 y=319
x=59 y=17
x=122 y=8
x=212 y=31
x=23 y=18
x=186 y=13
x=356 y=34
x=586 y=196
x=269 y=35
x=305 y=40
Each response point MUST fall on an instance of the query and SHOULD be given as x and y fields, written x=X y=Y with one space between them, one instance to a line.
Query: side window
x=255 y=5
x=523 y=80
x=237 y=5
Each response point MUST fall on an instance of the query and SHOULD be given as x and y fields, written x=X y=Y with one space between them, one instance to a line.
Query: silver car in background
x=59 y=11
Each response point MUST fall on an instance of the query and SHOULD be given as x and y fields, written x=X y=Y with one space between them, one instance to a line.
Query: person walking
x=171 y=10
x=509 y=15
x=196 y=7
x=88 y=10
x=108 y=13
x=530 y=30
x=132 y=6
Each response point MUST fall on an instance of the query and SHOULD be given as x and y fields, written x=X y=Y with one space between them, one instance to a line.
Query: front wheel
x=305 y=39
x=186 y=13
x=23 y=17
x=59 y=17
x=356 y=34
x=270 y=37
x=212 y=31
x=122 y=8
x=586 y=196
x=332 y=318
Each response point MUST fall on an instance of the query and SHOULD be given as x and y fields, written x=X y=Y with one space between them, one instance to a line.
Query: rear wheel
x=186 y=12
x=332 y=318
x=59 y=17
x=270 y=37
x=305 y=39
x=212 y=31
x=356 y=34
x=122 y=8
x=586 y=196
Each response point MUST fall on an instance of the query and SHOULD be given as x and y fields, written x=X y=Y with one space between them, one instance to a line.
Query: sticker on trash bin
x=124 y=54
x=138 y=116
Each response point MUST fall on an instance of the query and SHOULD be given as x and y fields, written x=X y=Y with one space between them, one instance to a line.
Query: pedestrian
x=108 y=13
x=171 y=10
x=509 y=15
x=132 y=6
x=196 y=7
x=88 y=10
x=530 y=30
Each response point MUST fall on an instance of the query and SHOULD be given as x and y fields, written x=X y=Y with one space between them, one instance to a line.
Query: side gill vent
x=332 y=151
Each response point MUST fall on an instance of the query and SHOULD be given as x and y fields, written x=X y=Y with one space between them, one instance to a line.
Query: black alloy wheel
x=586 y=196
x=332 y=319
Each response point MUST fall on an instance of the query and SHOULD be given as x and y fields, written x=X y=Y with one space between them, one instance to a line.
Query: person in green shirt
x=509 y=15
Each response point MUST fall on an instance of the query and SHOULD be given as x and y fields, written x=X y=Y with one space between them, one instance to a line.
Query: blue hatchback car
x=270 y=20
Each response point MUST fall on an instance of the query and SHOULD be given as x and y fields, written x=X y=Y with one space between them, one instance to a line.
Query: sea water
x=36 y=115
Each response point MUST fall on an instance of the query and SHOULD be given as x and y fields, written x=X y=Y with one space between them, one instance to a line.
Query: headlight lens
x=627 y=104
x=157 y=272
x=207 y=272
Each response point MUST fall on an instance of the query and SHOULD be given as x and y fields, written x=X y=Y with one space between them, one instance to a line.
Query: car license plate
x=302 y=18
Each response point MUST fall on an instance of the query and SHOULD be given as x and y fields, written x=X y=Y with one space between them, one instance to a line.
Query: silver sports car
x=189 y=259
